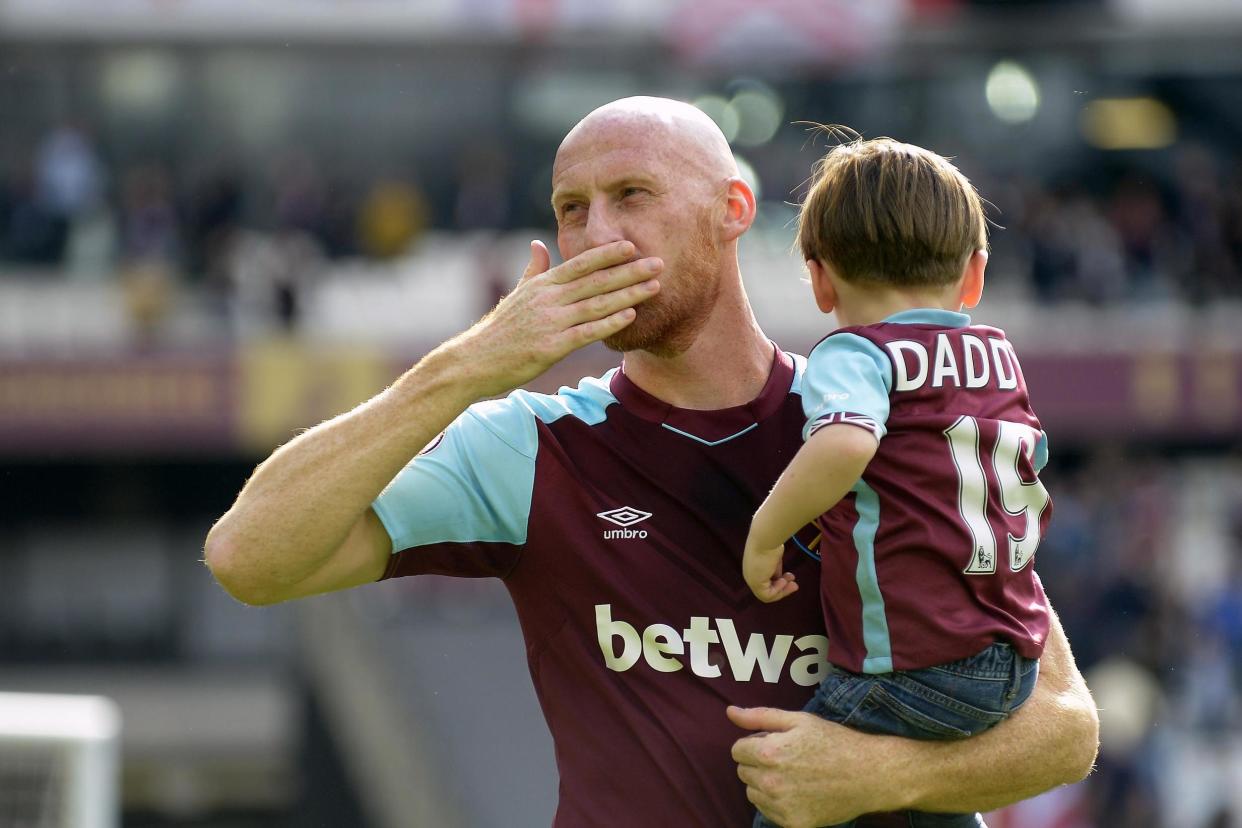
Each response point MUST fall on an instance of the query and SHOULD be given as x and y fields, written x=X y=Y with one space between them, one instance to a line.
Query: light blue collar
x=931 y=316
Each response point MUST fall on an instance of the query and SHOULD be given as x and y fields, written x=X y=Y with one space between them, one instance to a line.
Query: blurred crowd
x=155 y=227
x=1138 y=230
x=1144 y=558
x=1128 y=233
x=1144 y=563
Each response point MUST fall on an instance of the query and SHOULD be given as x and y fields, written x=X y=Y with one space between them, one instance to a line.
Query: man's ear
x=739 y=209
x=972 y=279
x=821 y=285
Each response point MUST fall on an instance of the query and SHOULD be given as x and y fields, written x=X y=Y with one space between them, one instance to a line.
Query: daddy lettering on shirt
x=964 y=361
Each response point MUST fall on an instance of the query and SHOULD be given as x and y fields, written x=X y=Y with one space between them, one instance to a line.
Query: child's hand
x=762 y=571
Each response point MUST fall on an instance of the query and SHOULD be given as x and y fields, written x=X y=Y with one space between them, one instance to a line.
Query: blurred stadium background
x=222 y=221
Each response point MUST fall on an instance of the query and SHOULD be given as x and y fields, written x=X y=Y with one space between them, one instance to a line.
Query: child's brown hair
x=886 y=213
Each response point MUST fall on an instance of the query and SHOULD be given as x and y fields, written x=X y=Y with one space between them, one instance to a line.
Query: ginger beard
x=668 y=323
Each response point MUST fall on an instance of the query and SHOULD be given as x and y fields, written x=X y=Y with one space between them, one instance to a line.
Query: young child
x=919 y=463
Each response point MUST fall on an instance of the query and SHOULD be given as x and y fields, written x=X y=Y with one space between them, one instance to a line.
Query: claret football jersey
x=928 y=559
x=617 y=523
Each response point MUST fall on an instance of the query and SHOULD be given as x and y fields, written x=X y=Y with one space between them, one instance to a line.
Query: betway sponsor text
x=667 y=649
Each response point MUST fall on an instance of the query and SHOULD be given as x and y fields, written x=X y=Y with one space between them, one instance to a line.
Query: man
x=615 y=513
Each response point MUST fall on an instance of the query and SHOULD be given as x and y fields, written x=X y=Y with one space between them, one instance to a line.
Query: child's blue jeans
x=949 y=701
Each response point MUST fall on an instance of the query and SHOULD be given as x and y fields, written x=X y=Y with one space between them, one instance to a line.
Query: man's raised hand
x=554 y=311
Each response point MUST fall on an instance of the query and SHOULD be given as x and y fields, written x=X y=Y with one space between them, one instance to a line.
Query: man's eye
x=629 y=191
x=570 y=208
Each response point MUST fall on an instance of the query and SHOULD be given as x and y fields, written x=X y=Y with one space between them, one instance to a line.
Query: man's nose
x=602 y=225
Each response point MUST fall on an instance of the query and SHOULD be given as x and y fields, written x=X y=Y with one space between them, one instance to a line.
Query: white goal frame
x=78 y=738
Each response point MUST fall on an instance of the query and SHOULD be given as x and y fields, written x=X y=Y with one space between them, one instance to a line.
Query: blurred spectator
x=70 y=183
x=150 y=226
x=1145 y=234
x=300 y=195
x=1207 y=217
x=150 y=247
x=393 y=215
x=268 y=274
x=213 y=215
x=482 y=201
x=1223 y=613
x=32 y=234
x=70 y=176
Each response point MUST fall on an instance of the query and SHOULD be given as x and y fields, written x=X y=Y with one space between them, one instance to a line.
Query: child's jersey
x=928 y=559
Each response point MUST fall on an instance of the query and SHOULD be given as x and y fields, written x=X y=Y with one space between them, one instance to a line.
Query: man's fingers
x=540 y=260
x=610 y=279
x=761 y=800
x=758 y=779
x=763 y=718
x=589 y=261
x=597 y=307
x=597 y=329
x=746 y=751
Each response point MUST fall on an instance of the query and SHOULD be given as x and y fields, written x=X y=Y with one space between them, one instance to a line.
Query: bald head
x=677 y=132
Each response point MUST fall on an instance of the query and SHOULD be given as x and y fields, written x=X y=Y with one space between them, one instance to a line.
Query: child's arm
x=821 y=473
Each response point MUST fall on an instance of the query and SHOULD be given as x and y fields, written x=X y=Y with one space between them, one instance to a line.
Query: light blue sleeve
x=1041 y=452
x=848 y=380
x=474 y=483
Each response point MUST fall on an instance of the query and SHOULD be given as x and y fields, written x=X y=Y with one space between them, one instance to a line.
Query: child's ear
x=972 y=279
x=821 y=286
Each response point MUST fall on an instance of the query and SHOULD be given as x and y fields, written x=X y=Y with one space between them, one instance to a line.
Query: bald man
x=615 y=514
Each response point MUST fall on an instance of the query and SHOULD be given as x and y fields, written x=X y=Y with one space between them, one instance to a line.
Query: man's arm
x=303 y=523
x=806 y=772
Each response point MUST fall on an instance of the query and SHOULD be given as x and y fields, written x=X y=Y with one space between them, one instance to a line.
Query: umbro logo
x=625 y=517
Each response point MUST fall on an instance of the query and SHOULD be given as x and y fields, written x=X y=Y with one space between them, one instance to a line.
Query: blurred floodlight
x=1128 y=124
x=749 y=175
x=722 y=112
x=140 y=81
x=252 y=95
x=1012 y=92
x=1128 y=698
x=759 y=113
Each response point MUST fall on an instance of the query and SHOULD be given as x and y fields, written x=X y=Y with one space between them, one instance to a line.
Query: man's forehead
x=603 y=154
x=605 y=163
x=611 y=137
x=655 y=137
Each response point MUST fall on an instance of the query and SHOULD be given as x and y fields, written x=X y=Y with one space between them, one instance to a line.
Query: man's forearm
x=996 y=768
x=300 y=503
x=1052 y=740
x=804 y=771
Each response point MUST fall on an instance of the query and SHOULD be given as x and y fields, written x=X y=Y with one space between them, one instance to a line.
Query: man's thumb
x=540 y=260
x=762 y=718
